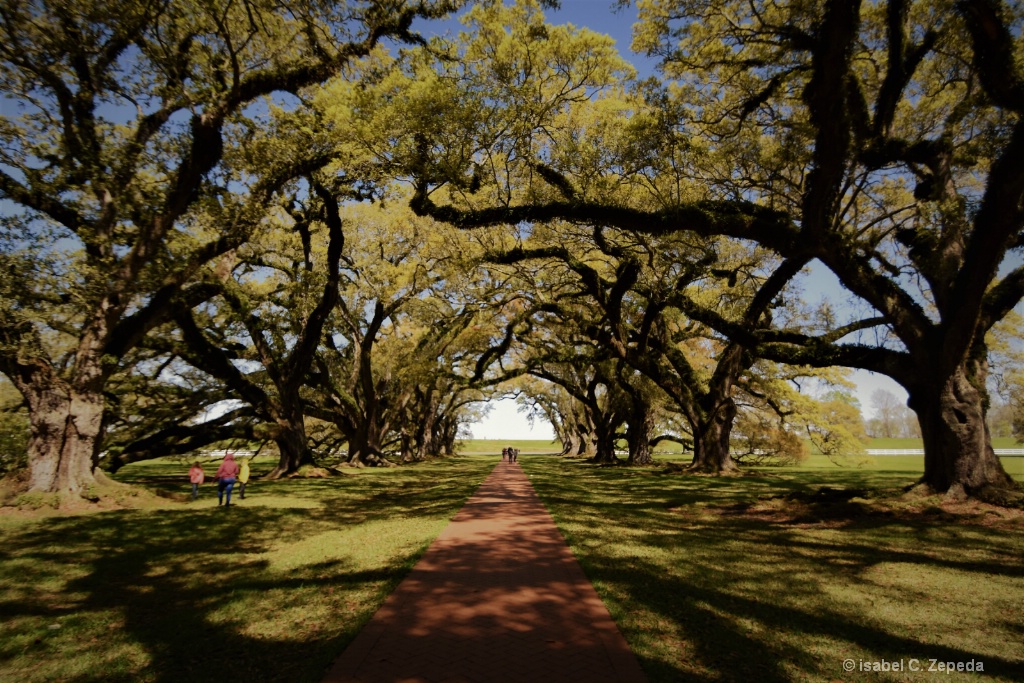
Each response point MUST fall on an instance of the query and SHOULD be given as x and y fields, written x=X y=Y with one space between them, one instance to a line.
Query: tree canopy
x=342 y=234
x=879 y=140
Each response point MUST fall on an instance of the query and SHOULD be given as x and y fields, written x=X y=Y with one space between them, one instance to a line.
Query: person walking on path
x=197 y=476
x=243 y=477
x=227 y=474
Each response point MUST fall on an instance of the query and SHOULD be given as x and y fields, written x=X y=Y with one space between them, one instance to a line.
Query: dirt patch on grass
x=830 y=507
x=18 y=504
x=63 y=509
x=676 y=468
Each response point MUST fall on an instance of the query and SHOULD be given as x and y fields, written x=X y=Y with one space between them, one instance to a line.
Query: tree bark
x=604 y=433
x=639 y=428
x=571 y=443
x=66 y=422
x=605 y=454
x=959 y=459
x=447 y=434
x=365 y=446
x=711 y=441
x=423 y=437
x=66 y=431
x=292 y=444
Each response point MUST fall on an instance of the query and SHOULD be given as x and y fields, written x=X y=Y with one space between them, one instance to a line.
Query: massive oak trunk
x=605 y=451
x=587 y=445
x=365 y=444
x=959 y=458
x=713 y=416
x=66 y=431
x=292 y=445
x=711 y=440
x=421 y=442
x=66 y=419
x=639 y=428
x=446 y=435
x=605 y=437
x=571 y=443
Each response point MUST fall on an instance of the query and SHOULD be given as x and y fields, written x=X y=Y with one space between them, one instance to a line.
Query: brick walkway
x=497 y=597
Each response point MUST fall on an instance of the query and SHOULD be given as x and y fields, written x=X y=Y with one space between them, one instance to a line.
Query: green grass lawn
x=720 y=579
x=271 y=589
x=755 y=579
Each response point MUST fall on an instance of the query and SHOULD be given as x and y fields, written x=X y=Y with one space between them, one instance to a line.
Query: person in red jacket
x=227 y=475
x=197 y=476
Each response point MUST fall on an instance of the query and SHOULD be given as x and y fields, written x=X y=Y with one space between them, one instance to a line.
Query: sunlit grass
x=730 y=580
x=710 y=579
x=271 y=589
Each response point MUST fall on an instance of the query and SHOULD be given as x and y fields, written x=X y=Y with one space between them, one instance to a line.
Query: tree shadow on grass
x=724 y=650
x=190 y=594
x=738 y=598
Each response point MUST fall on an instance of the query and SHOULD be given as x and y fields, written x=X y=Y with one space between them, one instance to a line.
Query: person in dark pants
x=227 y=474
x=197 y=476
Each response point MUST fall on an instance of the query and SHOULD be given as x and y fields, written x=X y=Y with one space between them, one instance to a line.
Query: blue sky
x=603 y=17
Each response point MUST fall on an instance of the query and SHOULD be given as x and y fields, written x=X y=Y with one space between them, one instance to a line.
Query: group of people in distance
x=228 y=474
x=510 y=454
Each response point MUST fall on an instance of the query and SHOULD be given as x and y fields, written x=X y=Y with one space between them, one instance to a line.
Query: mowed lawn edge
x=272 y=589
x=794 y=574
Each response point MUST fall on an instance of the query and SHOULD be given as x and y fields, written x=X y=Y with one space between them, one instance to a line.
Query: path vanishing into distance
x=497 y=597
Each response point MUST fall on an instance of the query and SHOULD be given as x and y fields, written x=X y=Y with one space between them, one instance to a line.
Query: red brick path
x=497 y=597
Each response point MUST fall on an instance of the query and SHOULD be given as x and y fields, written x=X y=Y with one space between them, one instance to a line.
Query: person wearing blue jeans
x=227 y=474
x=222 y=486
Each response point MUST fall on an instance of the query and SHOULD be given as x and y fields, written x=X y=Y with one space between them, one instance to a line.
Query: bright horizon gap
x=504 y=421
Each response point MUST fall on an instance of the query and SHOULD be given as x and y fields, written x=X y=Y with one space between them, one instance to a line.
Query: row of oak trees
x=175 y=238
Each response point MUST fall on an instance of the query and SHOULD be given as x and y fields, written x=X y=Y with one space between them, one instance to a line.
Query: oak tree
x=124 y=110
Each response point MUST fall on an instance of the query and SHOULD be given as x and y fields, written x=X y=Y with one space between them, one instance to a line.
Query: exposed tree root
x=105 y=494
x=830 y=507
x=706 y=471
x=1000 y=496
